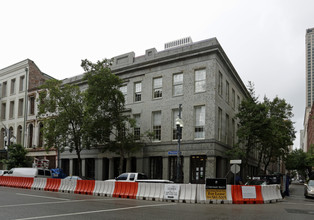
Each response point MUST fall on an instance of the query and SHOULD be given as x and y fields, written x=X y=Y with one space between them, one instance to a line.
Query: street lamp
x=179 y=124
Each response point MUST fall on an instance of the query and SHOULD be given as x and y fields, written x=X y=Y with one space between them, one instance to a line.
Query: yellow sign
x=216 y=194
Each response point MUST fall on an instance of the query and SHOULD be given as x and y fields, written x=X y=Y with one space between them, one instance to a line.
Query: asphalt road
x=25 y=204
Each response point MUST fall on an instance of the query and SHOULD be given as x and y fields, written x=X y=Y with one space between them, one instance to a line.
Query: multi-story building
x=309 y=76
x=309 y=61
x=19 y=83
x=201 y=78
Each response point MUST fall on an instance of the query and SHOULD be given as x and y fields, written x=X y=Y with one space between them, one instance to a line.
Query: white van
x=29 y=172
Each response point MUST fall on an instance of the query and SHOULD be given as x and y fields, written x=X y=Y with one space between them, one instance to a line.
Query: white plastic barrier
x=187 y=193
x=229 y=195
x=200 y=193
x=152 y=190
x=67 y=185
x=159 y=192
x=39 y=183
x=105 y=188
x=141 y=191
x=271 y=193
x=98 y=187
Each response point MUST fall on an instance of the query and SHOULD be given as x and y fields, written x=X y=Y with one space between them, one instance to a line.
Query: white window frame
x=200 y=80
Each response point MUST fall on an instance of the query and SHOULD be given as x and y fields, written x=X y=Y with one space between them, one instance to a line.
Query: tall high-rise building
x=309 y=53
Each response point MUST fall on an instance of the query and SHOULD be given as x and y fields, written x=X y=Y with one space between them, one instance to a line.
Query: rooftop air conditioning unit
x=178 y=43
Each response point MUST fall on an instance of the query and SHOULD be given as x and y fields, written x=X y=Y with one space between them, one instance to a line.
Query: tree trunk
x=79 y=161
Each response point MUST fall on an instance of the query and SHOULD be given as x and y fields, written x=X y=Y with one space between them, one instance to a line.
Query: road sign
x=235 y=168
x=235 y=161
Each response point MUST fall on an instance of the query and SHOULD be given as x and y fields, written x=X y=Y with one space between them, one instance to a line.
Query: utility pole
x=179 y=124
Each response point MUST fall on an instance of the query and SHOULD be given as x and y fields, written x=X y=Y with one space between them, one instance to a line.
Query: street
x=25 y=204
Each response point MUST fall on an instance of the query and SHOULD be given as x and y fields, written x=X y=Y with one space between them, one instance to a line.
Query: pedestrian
x=238 y=180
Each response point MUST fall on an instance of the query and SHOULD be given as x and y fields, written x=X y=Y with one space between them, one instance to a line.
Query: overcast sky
x=265 y=40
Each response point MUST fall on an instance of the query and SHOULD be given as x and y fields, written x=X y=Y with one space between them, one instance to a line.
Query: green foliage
x=17 y=157
x=265 y=127
x=109 y=125
x=104 y=101
x=64 y=126
x=300 y=161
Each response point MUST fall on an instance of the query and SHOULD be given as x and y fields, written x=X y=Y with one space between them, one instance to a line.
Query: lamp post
x=179 y=124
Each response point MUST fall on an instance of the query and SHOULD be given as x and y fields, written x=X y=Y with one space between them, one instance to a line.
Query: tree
x=17 y=157
x=264 y=127
x=279 y=133
x=65 y=124
x=300 y=161
x=252 y=122
x=109 y=125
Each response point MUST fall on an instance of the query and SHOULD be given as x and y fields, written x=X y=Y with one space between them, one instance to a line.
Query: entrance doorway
x=198 y=164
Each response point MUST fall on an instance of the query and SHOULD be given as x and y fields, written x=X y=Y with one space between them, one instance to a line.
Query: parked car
x=2 y=172
x=256 y=182
x=77 y=178
x=29 y=172
x=138 y=177
x=309 y=189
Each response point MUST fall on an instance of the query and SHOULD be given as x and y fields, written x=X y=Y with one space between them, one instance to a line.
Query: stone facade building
x=201 y=78
x=19 y=82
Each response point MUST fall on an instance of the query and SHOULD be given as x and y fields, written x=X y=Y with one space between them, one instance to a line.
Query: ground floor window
x=155 y=167
x=65 y=165
x=90 y=168
x=198 y=164
x=173 y=168
x=105 y=169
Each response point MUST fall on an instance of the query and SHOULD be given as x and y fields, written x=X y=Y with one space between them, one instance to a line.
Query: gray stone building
x=197 y=75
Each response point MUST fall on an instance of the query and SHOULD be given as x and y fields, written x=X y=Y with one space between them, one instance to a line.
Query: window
x=219 y=124
x=137 y=127
x=233 y=132
x=138 y=92
x=3 y=110
x=199 y=122
x=233 y=98
x=12 y=86
x=157 y=125
x=227 y=129
x=175 y=114
x=32 y=105
x=157 y=85
x=11 y=115
x=21 y=105
x=177 y=84
x=200 y=79
x=239 y=102
x=4 y=89
x=220 y=84
x=22 y=83
x=124 y=90
x=227 y=91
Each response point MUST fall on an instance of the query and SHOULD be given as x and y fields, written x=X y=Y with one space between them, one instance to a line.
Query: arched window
x=41 y=137
x=19 y=135
x=30 y=135
x=11 y=136
x=2 y=134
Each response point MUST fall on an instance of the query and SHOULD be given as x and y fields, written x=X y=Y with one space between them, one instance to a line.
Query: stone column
x=186 y=169
x=128 y=164
x=146 y=166
x=98 y=168
x=210 y=167
x=83 y=167
x=139 y=164
x=71 y=167
x=111 y=168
